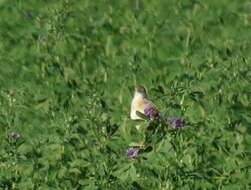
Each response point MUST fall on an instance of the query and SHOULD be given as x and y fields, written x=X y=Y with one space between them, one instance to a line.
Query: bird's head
x=140 y=91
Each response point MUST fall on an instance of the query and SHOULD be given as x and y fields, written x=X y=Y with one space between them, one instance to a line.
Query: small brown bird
x=140 y=102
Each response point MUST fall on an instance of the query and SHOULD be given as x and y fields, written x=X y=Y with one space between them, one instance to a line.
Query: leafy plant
x=68 y=70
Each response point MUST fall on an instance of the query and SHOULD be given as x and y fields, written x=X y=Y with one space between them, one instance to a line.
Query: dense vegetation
x=67 y=76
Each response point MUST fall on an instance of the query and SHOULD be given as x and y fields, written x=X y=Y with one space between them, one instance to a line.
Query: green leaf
x=24 y=148
x=135 y=144
x=123 y=173
x=141 y=115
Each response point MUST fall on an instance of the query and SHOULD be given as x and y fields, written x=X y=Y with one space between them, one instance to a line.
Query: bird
x=141 y=103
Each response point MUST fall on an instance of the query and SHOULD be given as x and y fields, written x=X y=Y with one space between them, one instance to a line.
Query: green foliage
x=68 y=71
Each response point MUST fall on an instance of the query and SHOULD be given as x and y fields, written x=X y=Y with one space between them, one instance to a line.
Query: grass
x=68 y=70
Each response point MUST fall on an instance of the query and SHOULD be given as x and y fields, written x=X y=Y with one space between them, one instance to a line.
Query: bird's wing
x=139 y=106
x=142 y=104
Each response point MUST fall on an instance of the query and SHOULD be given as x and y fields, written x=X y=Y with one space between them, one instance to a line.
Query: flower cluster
x=132 y=153
x=15 y=135
x=152 y=113
x=176 y=122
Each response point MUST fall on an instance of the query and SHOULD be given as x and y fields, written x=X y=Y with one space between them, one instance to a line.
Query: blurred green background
x=67 y=75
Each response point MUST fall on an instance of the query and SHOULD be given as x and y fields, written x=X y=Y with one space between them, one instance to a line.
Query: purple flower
x=132 y=153
x=176 y=122
x=152 y=113
x=15 y=135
